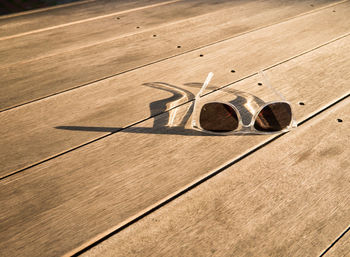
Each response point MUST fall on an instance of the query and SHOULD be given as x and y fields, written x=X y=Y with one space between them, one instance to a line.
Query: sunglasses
x=224 y=117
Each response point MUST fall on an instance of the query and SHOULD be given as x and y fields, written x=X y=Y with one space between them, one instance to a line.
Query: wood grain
x=290 y=198
x=91 y=32
x=29 y=134
x=36 y=79
x=77 y=198
x=33 y=22
x=48 y=43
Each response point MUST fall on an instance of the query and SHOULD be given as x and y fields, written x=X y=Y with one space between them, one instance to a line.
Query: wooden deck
x=90 y=167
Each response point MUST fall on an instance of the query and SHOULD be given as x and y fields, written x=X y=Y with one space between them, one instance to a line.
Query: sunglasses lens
x=274 y=117
x=218 y=117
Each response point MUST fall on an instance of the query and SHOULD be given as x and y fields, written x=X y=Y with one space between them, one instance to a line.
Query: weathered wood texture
x=290 y=198
x=32 y=22
x=84 y=194
x=83 y=34
x=35 y=79
x=54 y=41
x=29 y=134
x=341 y=247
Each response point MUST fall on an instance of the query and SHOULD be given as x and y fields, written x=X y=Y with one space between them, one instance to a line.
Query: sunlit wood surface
x=97 y=154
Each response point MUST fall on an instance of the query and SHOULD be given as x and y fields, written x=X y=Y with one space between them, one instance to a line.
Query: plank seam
x=86 y=20
x=335 y=241
x=150 y=117
x=99 y=239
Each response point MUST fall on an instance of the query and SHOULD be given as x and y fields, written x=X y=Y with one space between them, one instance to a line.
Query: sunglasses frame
x=241 y=128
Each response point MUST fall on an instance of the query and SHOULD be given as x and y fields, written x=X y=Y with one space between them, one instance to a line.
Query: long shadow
x=162 y=106
x=168 y=109
x=140 y=130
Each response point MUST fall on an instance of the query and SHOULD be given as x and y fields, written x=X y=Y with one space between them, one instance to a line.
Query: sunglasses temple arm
x=268 y=84
x=266 y=81
x=205 y=84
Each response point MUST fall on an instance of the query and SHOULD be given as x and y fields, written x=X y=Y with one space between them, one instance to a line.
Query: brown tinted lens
x=218 y=117
x=273 y=117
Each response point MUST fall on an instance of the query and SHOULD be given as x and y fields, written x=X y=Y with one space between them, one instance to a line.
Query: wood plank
x=84 y=107
x=88 y=33
x=290 y=198
x=36 y=79
x=43 y=9
x=91 y=32
x=31 y=22
x=341 y=247
x=84 y=194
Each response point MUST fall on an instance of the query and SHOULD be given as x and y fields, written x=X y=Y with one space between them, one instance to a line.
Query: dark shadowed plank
x=61 y=4
x=32 y=22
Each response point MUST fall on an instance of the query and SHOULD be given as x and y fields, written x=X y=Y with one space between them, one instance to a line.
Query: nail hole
x=339 y=120
x=233 y=71
x=178 y=46
x=301 y=103
x=311 y=5
x=117 y=18
x=259 y=84
x=154 y=35
x=137 y=27
x=201 y=55
x=333 y=10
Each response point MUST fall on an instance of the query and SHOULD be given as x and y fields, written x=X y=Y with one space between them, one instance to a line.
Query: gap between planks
x=340 y=246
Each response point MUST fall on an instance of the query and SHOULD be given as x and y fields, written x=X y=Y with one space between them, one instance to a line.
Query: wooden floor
x=89 y=165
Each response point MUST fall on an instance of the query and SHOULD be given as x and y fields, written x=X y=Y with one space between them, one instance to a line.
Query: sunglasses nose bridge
x=247 y=112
